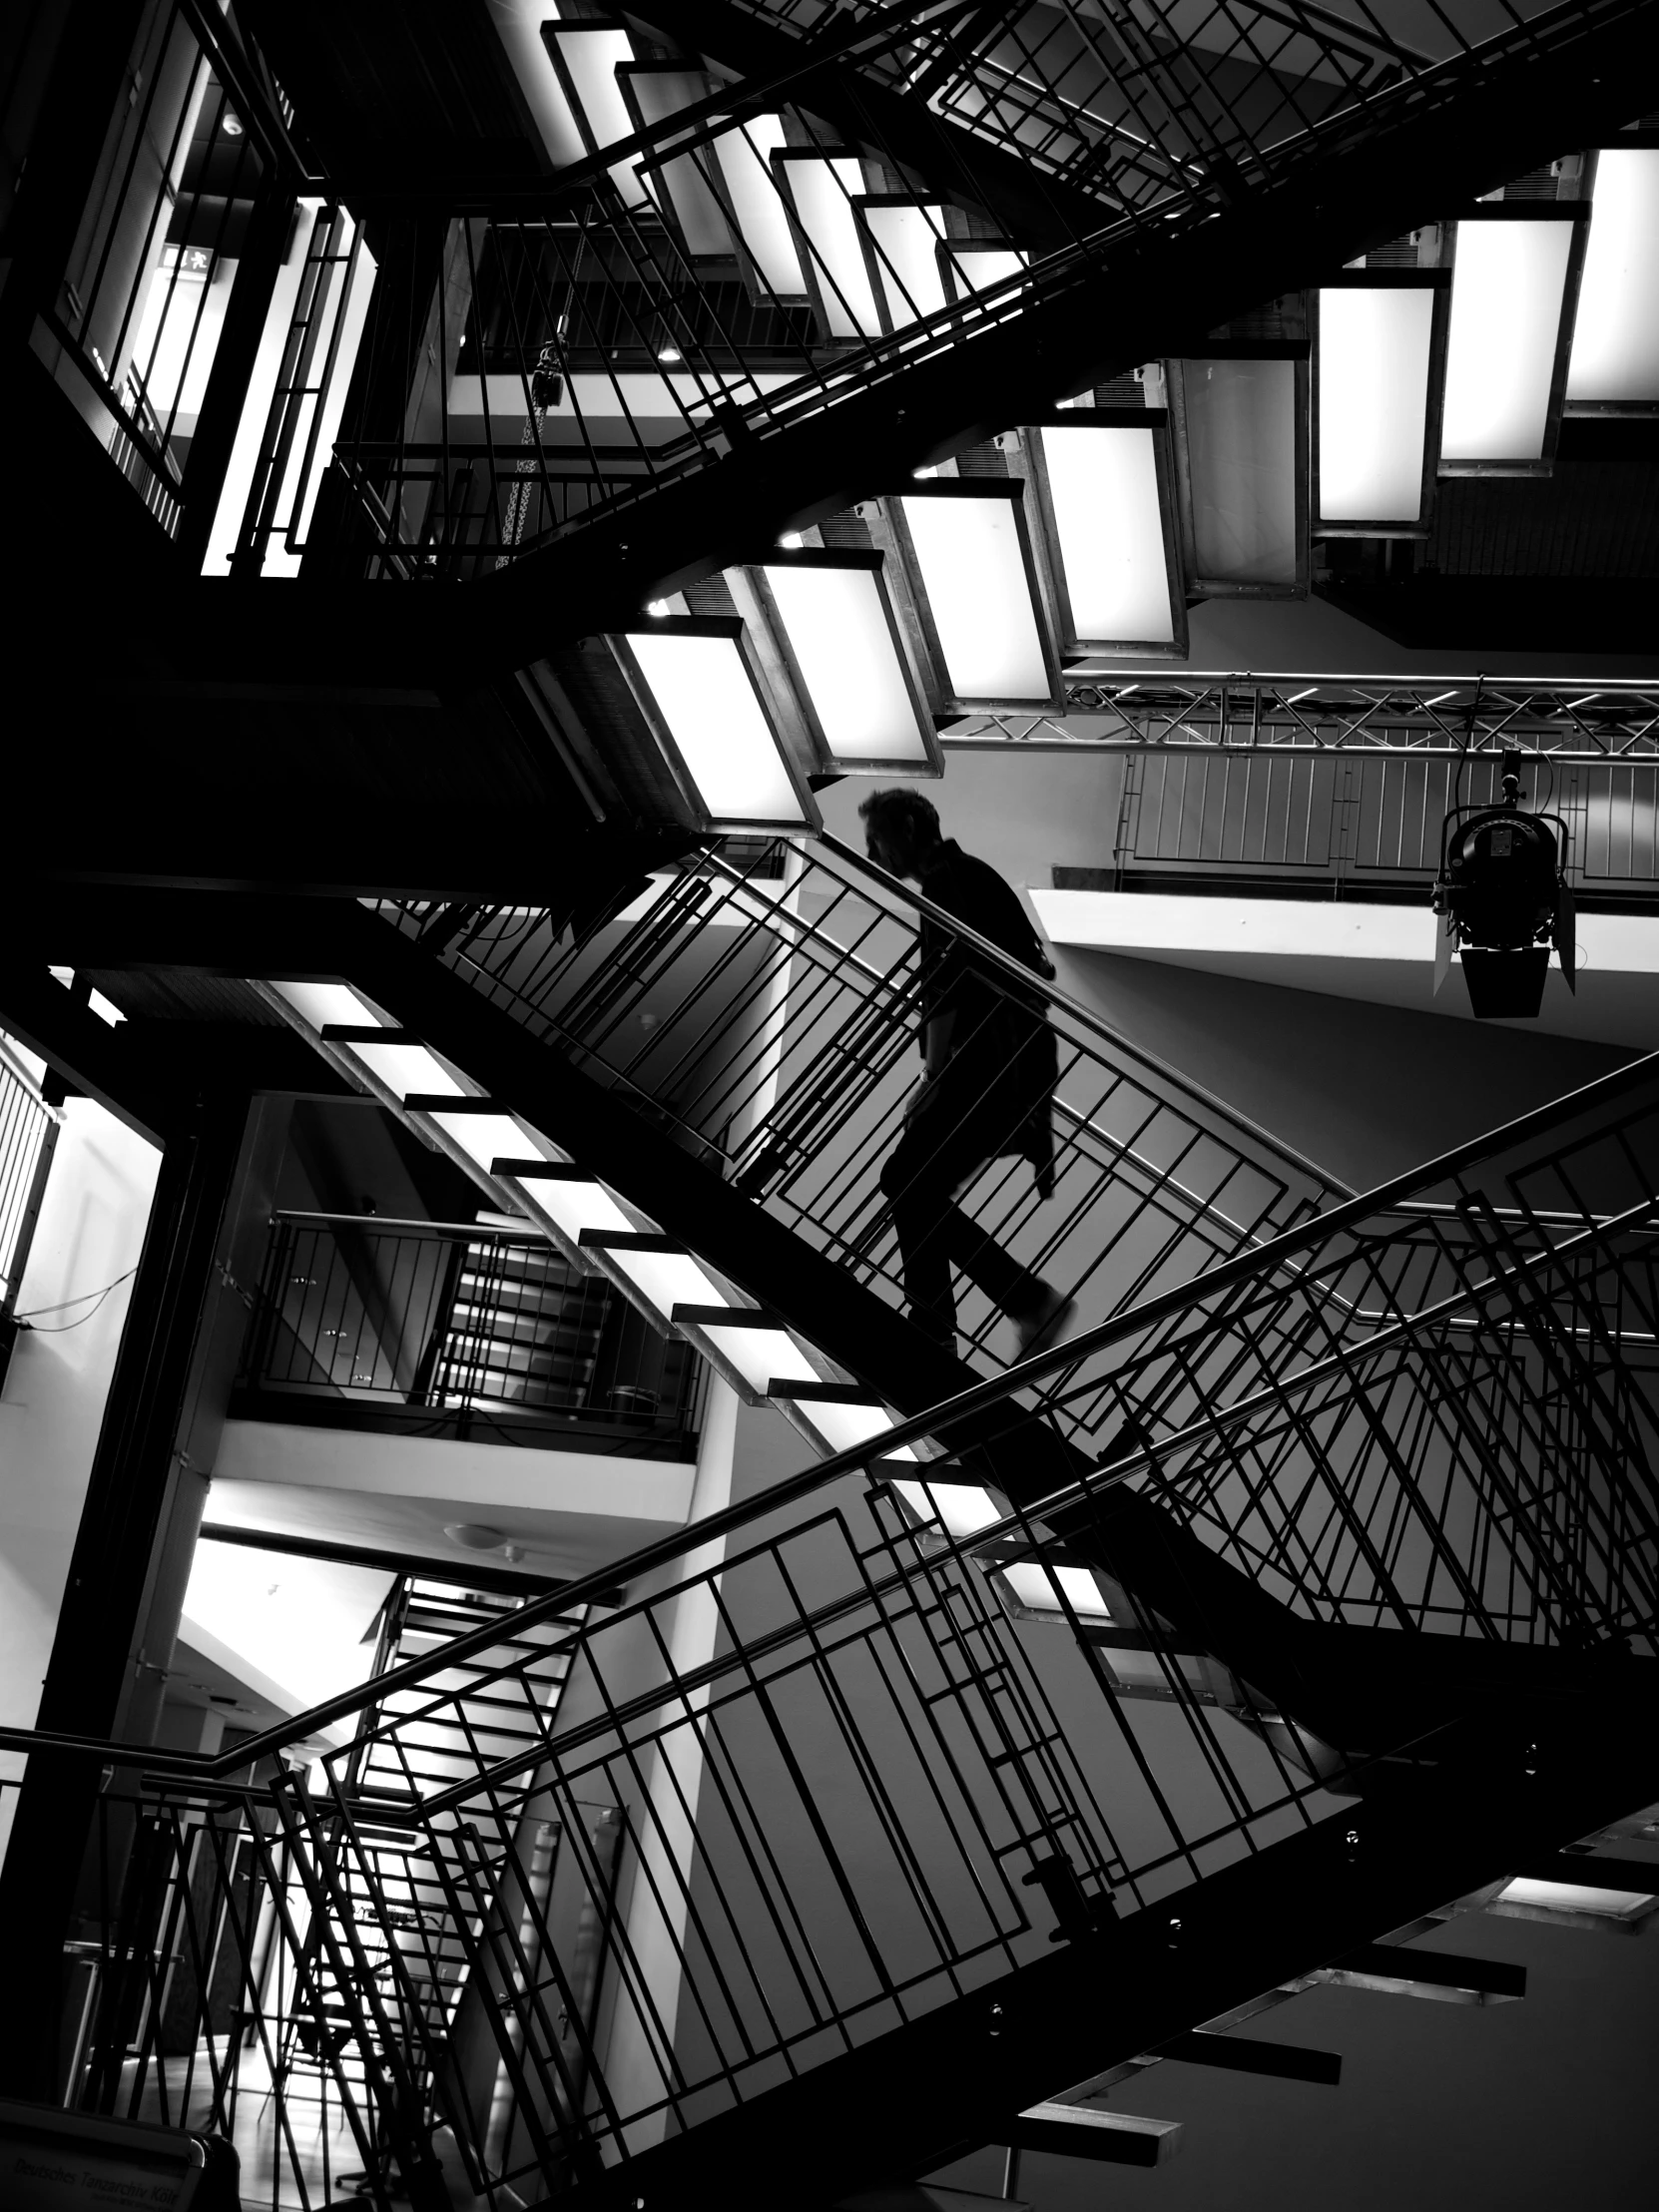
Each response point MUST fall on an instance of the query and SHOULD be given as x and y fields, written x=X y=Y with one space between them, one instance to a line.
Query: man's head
x=900 y=829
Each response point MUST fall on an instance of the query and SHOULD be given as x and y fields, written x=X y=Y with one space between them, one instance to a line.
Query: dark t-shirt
x=986 y=1005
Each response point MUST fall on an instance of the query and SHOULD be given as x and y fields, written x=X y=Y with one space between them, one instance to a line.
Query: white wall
x=91 y=1230
x=1367 y=1091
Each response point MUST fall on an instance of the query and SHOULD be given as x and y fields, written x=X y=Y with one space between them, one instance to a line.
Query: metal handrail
x=969 y=1404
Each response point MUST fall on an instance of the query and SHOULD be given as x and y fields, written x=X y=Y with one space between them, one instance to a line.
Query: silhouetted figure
x=990 y=1066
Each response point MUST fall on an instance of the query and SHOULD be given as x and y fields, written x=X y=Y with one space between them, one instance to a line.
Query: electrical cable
x=63 y=1306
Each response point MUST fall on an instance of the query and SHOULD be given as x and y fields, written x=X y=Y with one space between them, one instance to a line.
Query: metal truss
x=1427 y=717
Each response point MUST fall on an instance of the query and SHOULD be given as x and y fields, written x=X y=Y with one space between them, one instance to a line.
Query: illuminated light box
x=1614 y=365
x=697 y=686
x=758 y=212
x=902 y=237
x=961 y=1508
x=1106 y=498
x=1033 y=1589
x=969 y=267
x=1514 y=268
x=586 y=58
x=1240 y=420
x=966 y=548
x=655 y=91
x=821 y=189
x=1379 y=366
x=831 y=621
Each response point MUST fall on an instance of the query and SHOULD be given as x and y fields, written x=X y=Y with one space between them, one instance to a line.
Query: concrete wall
x=90 y=1230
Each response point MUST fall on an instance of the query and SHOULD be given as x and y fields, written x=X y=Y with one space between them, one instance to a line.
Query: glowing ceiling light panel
x=1374 y=347
x=904 y=240
x=977 y=576
x=760 y=216
x=695 y=683
x=838 y=625
x=1615 y=338
x=821 y=189
x=1508 y=288
x=1109 y=540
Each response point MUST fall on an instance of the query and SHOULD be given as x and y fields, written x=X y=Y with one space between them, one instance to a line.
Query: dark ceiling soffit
x=1462 y=138
x=82 y=1048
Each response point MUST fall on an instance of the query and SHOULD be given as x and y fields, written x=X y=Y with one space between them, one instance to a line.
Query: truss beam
x=1163 y=710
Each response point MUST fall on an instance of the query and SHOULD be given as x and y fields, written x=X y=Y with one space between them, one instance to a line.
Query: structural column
x=102 y=1602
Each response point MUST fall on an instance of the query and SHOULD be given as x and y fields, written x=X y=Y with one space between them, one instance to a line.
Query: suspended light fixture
x=832 y=624
x=1106 y=501
x=696 y=683
x=1514 y=275
x=965 y=544
x=1378 y=371
x=1614 y=369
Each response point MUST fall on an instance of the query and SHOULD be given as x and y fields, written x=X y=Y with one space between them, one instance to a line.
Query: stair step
x=808 y=1393
x=1110 y=2138
x=535 y=1170
x=627 y=1240
x=727 y=1317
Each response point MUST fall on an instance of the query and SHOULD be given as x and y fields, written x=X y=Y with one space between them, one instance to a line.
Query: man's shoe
x=1043 y=1327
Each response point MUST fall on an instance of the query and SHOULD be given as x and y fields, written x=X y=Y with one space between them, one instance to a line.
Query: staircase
x=1358 y=1491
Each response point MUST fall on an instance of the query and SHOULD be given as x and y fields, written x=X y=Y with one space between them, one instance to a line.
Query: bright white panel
x=961 y=1508
x=708 y=701
x=1507 y=284
x=592 y=58
x=760 y=1355
x=968 y=552
x=667 y=1279
x=1103 y=486
x=824 y=188
x=319 y=1003
x=845 y=1427
x=744 y=157
x=1033 y=1585
x=1615 y=338
x=405 y=1067
x=485 y=1137
x=571 y=1207
x=1575 y=1896
x=979 y=268
x=906 y=242
x=1374 y=403
x=837 y=627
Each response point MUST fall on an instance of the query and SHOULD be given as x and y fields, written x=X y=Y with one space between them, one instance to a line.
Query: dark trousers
x=973 y=1112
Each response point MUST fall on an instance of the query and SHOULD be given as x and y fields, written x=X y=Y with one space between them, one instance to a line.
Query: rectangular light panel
x=979 y=594
x=837 y=627
x=1615 y=336
x=822 y=188
x=1507 y=284
x=1373 y=402
x=906 y=242
x=979 y=268
x=591 y=55
x=1241 y=448
x=744 y=157
x=707 y=702
x=1103 y=487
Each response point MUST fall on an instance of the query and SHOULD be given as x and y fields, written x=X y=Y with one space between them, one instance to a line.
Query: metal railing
x=459 y=1330
x=770 y=1026
x=28 y=1138
x=869 y=1739
x=733 y=265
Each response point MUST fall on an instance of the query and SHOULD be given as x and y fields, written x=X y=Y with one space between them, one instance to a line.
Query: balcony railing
x=442 y=1328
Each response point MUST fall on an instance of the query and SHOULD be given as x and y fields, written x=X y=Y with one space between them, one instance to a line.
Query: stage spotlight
x=1504 y=901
